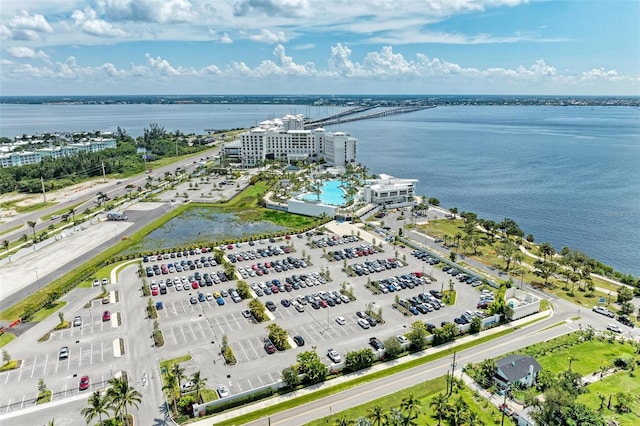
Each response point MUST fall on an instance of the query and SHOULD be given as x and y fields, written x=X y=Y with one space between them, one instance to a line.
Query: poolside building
x=286 y=139
x=389 y=191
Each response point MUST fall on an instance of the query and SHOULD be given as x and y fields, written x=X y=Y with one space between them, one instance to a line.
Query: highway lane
x=87 y=197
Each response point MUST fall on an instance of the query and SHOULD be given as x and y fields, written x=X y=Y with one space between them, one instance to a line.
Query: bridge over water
x=350 y=115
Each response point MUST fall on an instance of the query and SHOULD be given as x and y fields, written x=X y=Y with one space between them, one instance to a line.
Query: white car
x=402 y=339
x=209 y=297
x=223 y=391
x=614 y=328
x=603 y=311
x=334 y=356
x=341 y=320
x=363 y=323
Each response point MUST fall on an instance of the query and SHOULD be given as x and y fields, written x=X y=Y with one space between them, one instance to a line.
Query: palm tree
x=98 y=405
x=170 y=388
x=411 y=405
x=458 y=412
x=376 y=415
x=72 y=212
x=473 y=419
x=440 y=404
x=32 y=225
x=198 y=383
x=121 y=395
x=343 y=421
x=179 y=373
x=5 y=245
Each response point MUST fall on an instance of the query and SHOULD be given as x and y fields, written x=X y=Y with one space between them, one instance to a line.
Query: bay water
x=569 y=175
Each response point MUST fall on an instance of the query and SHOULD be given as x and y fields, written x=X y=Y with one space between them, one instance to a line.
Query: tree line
x=124 y=159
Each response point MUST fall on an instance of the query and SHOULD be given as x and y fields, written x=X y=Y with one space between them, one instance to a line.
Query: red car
x=194 y=285
x=106 y=316
x=84 y=383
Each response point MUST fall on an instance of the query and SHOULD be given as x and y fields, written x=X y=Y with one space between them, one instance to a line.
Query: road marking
x=33 y=369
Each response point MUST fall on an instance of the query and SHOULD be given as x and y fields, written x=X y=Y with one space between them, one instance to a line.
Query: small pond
x=203 y=225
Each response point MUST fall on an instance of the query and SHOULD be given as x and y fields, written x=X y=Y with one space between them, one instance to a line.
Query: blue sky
x=103 y=47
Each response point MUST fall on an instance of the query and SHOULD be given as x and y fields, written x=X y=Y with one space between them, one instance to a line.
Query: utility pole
x=44 y=194
x=104 y=177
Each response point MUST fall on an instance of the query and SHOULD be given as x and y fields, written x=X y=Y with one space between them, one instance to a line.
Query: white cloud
x=88 y=22
x=221 y=38
x=600 y=74
x=24 y=20
x=25 y=27
x=160 y=11
x=274 y=8
x=165 y=68
x=267 y=36
x=26 y=52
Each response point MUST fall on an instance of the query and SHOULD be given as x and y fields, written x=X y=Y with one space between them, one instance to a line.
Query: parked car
x=193 y=300
x=614 y=328
x=376 y=343
x=269 y=346
x=363 y=323
x=223 y=392
x=246 y=313
x=334 y=355
x=64 y=352
x=402 y=339
x=106 y=316
x=626 y=321
x=84 y=383
x=603 y=311
x=77 y=321
x=299 y=340
x=270 y=305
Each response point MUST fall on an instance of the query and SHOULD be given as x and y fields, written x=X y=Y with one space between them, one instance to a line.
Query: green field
x=587 y=358
x=424 y=392
x=619 y=382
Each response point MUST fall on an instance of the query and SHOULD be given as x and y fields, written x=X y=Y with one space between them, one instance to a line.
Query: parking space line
x=7 y=379
x=33 y=369
x=175 y=341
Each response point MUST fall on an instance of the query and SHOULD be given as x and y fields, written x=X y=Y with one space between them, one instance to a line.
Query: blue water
x=331 y=194
x=568 y=175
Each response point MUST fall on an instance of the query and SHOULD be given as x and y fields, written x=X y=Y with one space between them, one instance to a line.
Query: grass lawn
x=619 y=382
x=424 y=392
x=45 y=312
x=587 y=357
x=44 y=397
x=6 y=338
x=208 y=395
x=11 y=365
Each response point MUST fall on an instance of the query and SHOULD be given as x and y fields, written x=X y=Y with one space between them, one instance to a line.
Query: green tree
x=485 y=372
x=244 y=291
x=376 y=414
x=121 y=396
x=392 y=347
x=258 y=310
x=170 y=386
x=452 y=256
x=411 y=407
x=199 y=383
x=278 y=336
x=418 y=334
x=625 y=294
x=476 y=325
x=5 y=245
x=507 y=251
x=311 y=366
x=5 y=356
x=440 y=404
x=32 y=225
x=290 y=376
x=98 y=406
x=546 y=250
x=357 y=360
x=545 y=269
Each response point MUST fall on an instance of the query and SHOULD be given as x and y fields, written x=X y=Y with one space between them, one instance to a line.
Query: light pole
x=521 y=279
x=37 y=278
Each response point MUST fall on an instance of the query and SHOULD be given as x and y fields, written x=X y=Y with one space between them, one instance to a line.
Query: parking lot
x=289 y=270
x=204 y=321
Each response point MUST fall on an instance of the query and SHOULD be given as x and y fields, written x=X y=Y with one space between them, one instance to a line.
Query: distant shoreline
x=329 y=100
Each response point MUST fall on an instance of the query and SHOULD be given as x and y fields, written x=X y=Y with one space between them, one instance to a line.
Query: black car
x=270 y=305
x=626 y=321
x=299 y=340
x=376 y=343
x=430 y=327
x=460 y=320
x=286 y=304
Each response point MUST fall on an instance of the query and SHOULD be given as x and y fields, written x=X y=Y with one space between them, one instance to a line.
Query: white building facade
x=286 y=139
x=389 y=191
x=22 y=158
